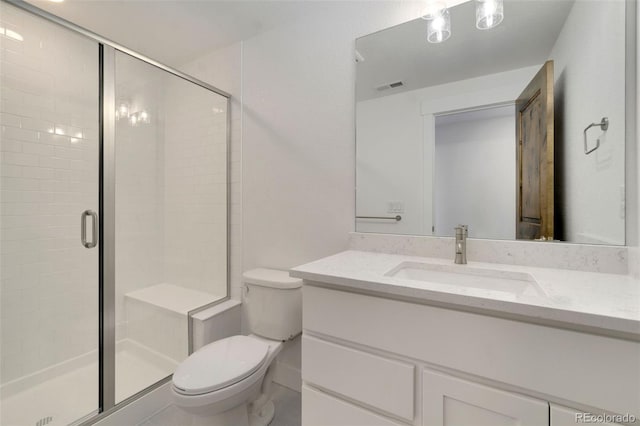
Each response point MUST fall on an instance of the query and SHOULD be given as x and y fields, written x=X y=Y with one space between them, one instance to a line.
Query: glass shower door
x=113 y=218
x=49 y=163
x=170 y=216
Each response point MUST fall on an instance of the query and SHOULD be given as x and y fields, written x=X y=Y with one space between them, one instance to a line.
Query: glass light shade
x=439 y=27
x=432 y=8
x=122 y=111
x=143 y=117
x=489 y=13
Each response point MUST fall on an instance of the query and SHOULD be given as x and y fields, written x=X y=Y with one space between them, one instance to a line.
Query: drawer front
x=379 y=382
x=563 y=364
x=320 y=409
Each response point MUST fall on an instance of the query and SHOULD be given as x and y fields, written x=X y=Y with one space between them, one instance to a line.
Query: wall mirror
x=517 y=131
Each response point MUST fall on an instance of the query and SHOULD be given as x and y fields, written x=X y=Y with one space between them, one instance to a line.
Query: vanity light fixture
x=438 y=22
x=489 y=13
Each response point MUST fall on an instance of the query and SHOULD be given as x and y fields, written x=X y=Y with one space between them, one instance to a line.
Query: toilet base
x=264 y=416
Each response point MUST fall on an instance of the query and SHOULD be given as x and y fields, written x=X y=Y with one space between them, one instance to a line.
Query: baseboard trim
x=288 y=376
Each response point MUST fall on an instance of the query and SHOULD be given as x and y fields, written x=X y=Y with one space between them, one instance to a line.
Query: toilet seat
x=220 y=364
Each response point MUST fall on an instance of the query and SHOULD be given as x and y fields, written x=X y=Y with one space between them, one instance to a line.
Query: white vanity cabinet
x=370 y=360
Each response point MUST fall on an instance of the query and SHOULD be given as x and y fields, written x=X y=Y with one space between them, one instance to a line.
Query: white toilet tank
x=273 y=302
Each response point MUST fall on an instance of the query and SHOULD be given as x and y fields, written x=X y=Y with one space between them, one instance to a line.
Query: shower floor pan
x=52 y=399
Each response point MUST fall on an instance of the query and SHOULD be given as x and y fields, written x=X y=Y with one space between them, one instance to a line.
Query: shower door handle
x=94 y=228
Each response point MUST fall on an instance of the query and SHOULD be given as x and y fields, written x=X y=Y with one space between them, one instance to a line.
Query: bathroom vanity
x=394 y=340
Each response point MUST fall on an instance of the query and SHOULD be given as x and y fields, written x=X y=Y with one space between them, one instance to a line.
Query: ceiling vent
x=393 y=85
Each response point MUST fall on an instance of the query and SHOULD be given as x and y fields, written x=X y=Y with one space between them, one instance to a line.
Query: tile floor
x=288 y=411
x=288 y=407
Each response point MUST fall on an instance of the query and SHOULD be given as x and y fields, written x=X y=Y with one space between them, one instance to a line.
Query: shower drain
x=44 y=421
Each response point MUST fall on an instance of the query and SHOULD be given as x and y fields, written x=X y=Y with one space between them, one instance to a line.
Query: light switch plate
x=395 y=206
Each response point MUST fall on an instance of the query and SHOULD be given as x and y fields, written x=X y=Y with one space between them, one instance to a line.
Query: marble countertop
x=607 y=303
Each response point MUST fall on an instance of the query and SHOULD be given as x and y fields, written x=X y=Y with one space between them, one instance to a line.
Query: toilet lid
x=220 y=364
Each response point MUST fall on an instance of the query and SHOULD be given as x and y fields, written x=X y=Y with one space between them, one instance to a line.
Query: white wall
x=298 y=133
x=475 y=173
x=390 y=164
x=590 y=86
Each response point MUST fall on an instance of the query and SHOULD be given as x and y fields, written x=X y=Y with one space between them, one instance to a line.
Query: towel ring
x=604 y=125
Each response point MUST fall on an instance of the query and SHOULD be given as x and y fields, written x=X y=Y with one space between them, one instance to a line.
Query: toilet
x=228 y=382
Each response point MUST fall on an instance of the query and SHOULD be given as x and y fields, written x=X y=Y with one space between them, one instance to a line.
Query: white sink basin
x=507 y=282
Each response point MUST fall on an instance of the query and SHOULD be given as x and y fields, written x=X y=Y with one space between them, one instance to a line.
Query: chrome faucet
x=462 y=231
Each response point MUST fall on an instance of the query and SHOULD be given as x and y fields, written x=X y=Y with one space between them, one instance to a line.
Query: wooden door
x=451 y=401
x=534 y=166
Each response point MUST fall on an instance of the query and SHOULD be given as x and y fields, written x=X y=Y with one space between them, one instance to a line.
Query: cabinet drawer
x=320 y=409
x=379 y=382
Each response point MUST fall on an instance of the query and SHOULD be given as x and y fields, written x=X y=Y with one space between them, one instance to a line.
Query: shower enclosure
x=113 y=220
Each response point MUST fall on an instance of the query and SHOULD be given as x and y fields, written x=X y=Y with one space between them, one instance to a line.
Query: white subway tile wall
x=195 y=188
x=49 y=168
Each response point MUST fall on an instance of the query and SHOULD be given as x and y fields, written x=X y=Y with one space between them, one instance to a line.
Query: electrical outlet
x=395 y=207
